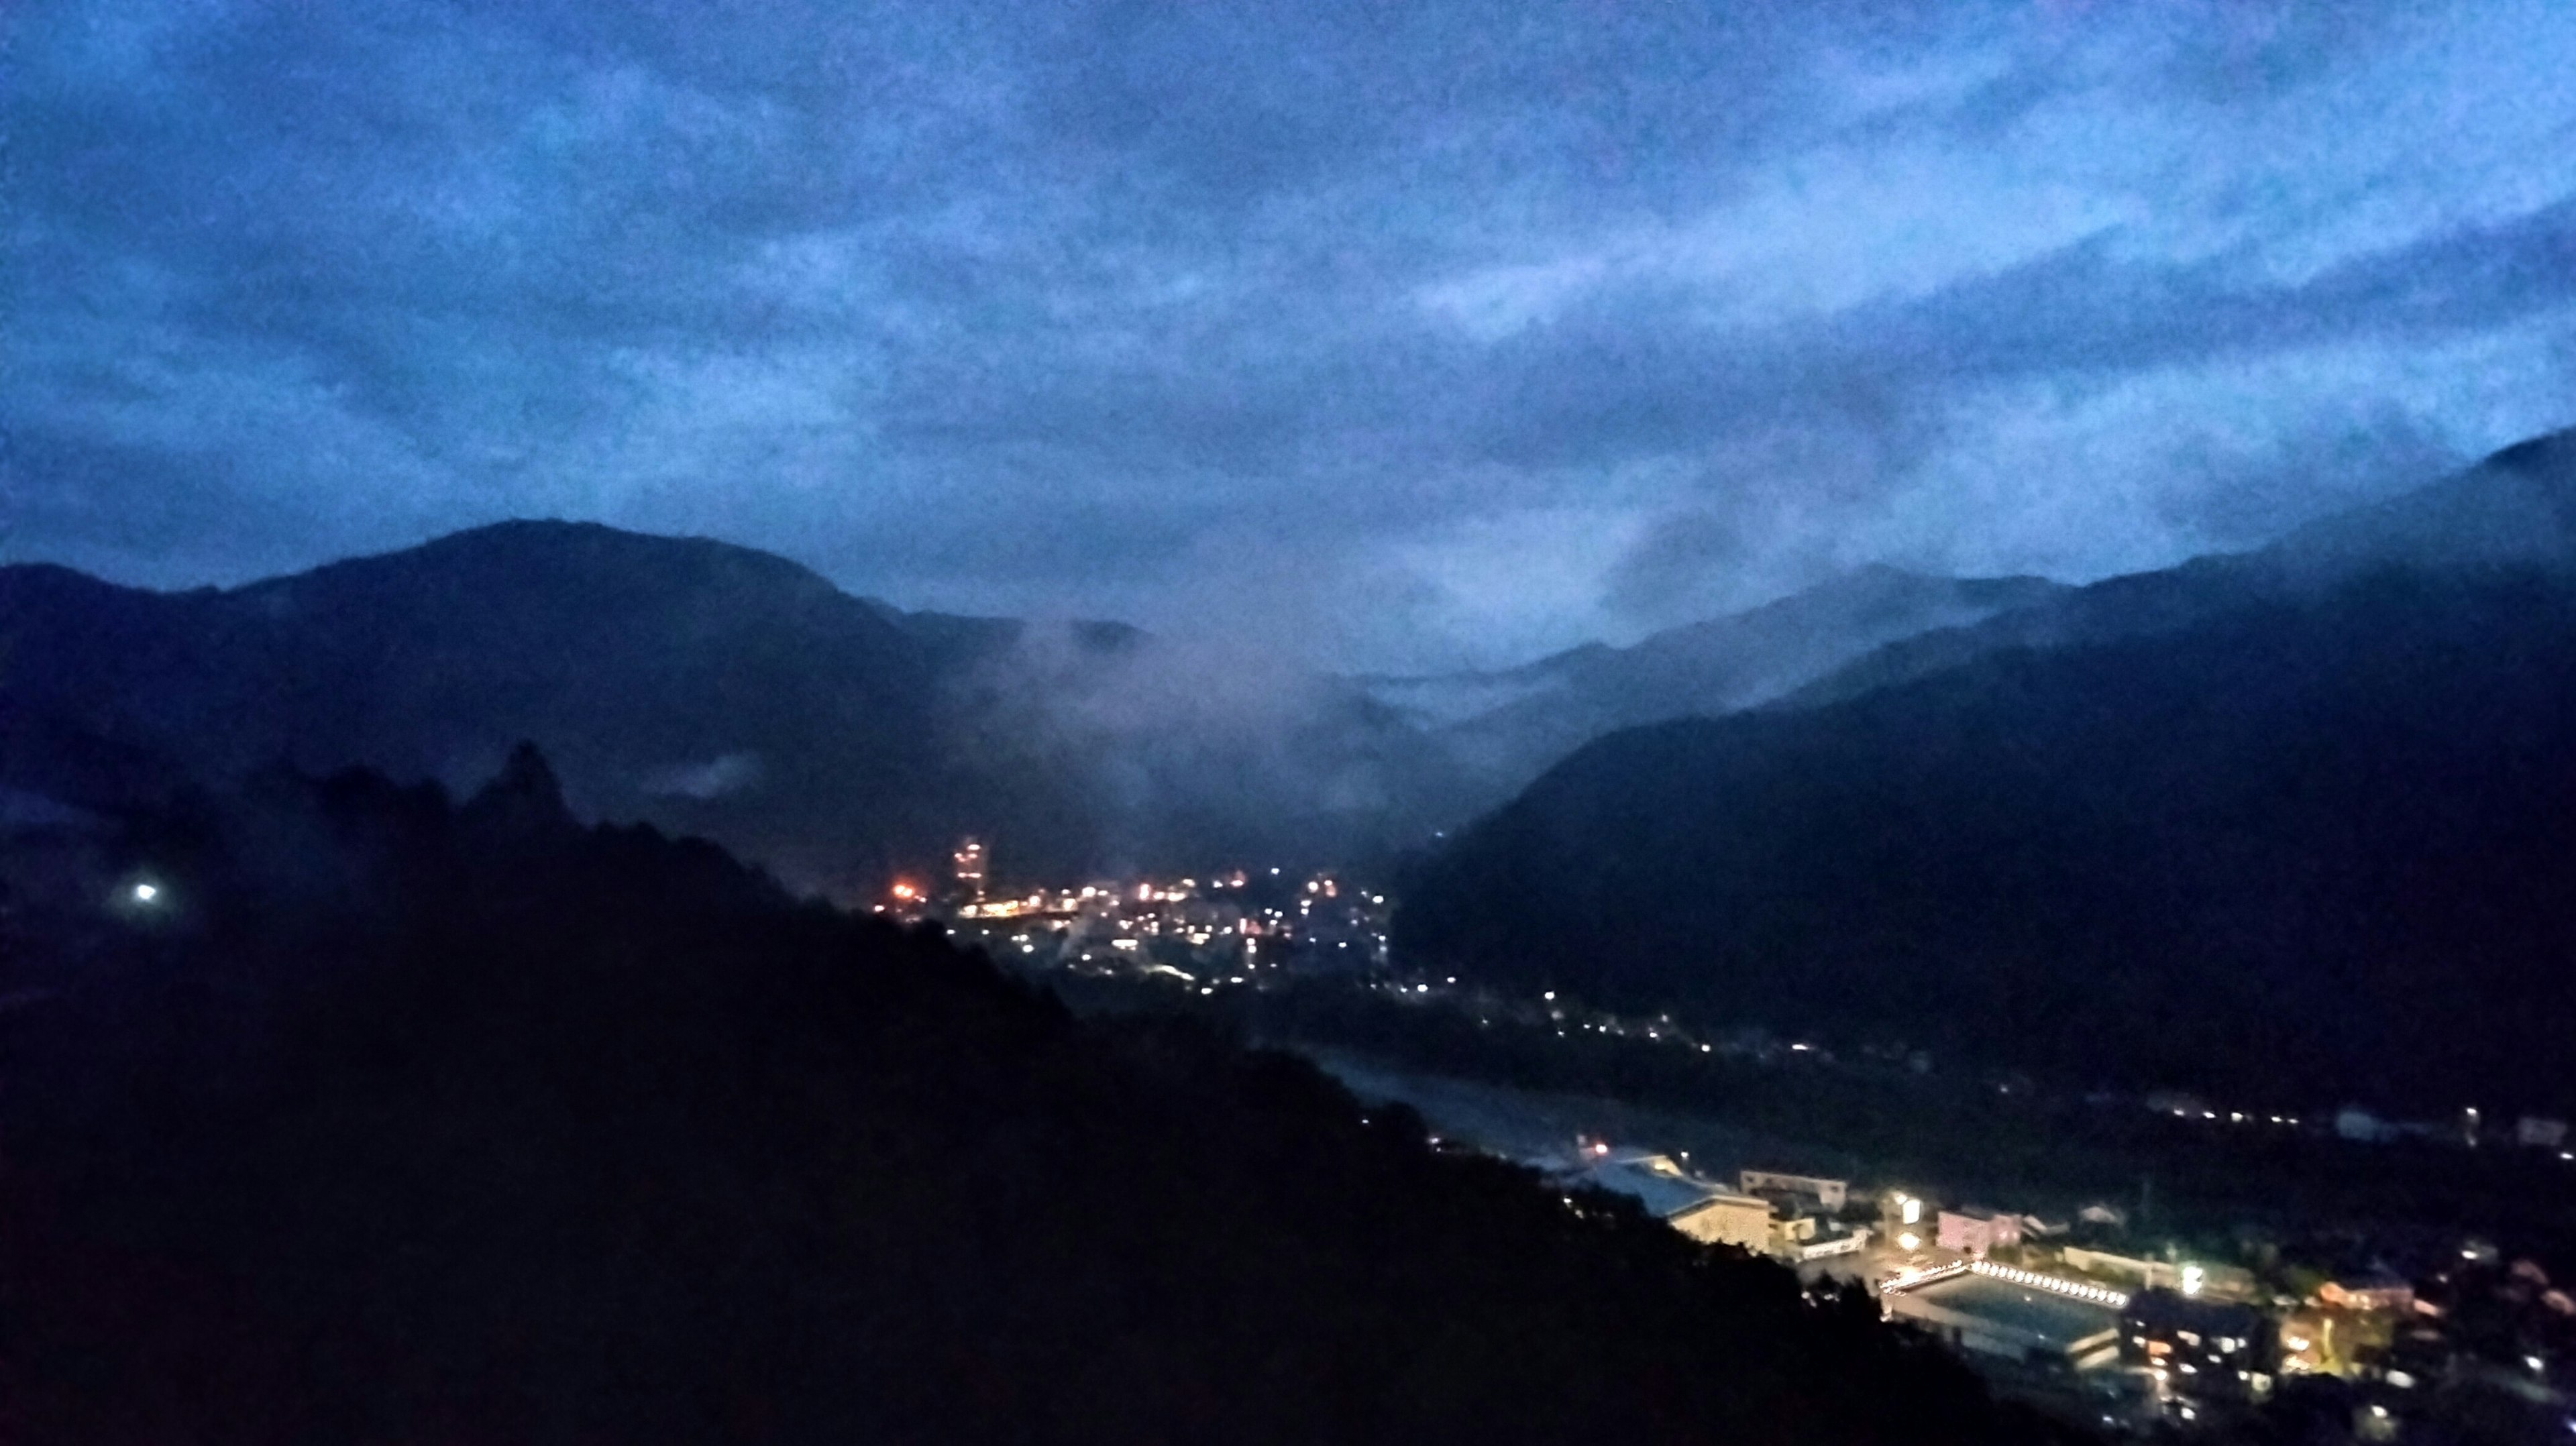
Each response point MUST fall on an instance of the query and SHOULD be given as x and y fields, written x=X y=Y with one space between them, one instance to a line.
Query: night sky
x=1398 y=335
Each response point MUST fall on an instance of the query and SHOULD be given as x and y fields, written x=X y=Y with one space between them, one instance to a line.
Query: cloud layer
x=1395 y=335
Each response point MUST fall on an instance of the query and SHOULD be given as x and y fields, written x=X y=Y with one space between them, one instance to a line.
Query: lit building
x=1830 y=1195
x=1687 y=1203
x=2199 y=1347
x=2128 y=1269
x=2325 y=1340
x=2372 y=1290
x=1789 y=1231
x=1904 y=1220
x=1978 y=1232
x=1723 y=1219
x=969 y=863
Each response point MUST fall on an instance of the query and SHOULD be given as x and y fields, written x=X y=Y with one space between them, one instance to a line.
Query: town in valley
x=2083 y=1306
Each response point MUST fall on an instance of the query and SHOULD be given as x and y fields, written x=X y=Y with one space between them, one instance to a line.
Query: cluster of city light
x=2237 y=1117
x=1126 y=921
x=1915 y=1279
x=2073 y=1289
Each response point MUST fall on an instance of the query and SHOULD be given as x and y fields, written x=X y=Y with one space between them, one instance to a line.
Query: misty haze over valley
x=1263 y=723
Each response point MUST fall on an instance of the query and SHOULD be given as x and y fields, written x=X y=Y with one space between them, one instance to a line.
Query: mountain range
x=2296 y=823
x=712 y=689
x=838 y=739
x=1505 y=727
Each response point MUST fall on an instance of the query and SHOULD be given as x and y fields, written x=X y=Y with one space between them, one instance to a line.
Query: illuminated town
x=1213 y=933
x=2107 y=1323
x=2089 y=1313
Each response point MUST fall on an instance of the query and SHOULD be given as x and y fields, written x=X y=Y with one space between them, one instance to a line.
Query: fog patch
x=1192 y=749
x=727 y=773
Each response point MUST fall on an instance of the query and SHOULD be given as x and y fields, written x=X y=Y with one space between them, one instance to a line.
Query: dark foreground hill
x=719 y=691
x=387 y=1121
x=2317 y=846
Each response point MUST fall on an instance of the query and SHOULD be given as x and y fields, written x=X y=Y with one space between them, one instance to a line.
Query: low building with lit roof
x=1693 y=1206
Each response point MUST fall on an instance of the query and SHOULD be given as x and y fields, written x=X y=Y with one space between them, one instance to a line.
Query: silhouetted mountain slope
x=1557 y=704
x=2515 y=511
x=715 y=689
x=402 y=1122
x=2317 y=845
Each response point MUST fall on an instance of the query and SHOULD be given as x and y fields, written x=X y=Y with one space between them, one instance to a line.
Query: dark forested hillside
x=386 y=1120
x=2318 y=846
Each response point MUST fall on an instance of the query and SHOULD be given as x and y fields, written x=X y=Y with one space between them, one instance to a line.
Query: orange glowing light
x=906 y=891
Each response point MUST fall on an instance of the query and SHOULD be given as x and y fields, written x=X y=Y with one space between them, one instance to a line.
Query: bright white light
x=146 y=893
x=1913 y=1210
x=1910 y=1241
x=2192 y=1278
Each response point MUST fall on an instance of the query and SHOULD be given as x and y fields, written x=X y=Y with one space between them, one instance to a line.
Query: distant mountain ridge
x=1507 y=726
x=704 y=686
x=2514 y=510
x=2295 y=824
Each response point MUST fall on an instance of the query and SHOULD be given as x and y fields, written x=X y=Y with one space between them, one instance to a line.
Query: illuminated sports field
x=2039 y=1316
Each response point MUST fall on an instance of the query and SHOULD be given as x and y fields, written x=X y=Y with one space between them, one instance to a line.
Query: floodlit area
x=1984 y=1312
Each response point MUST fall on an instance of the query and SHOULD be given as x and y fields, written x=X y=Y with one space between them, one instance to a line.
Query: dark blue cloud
x=1397 y=334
